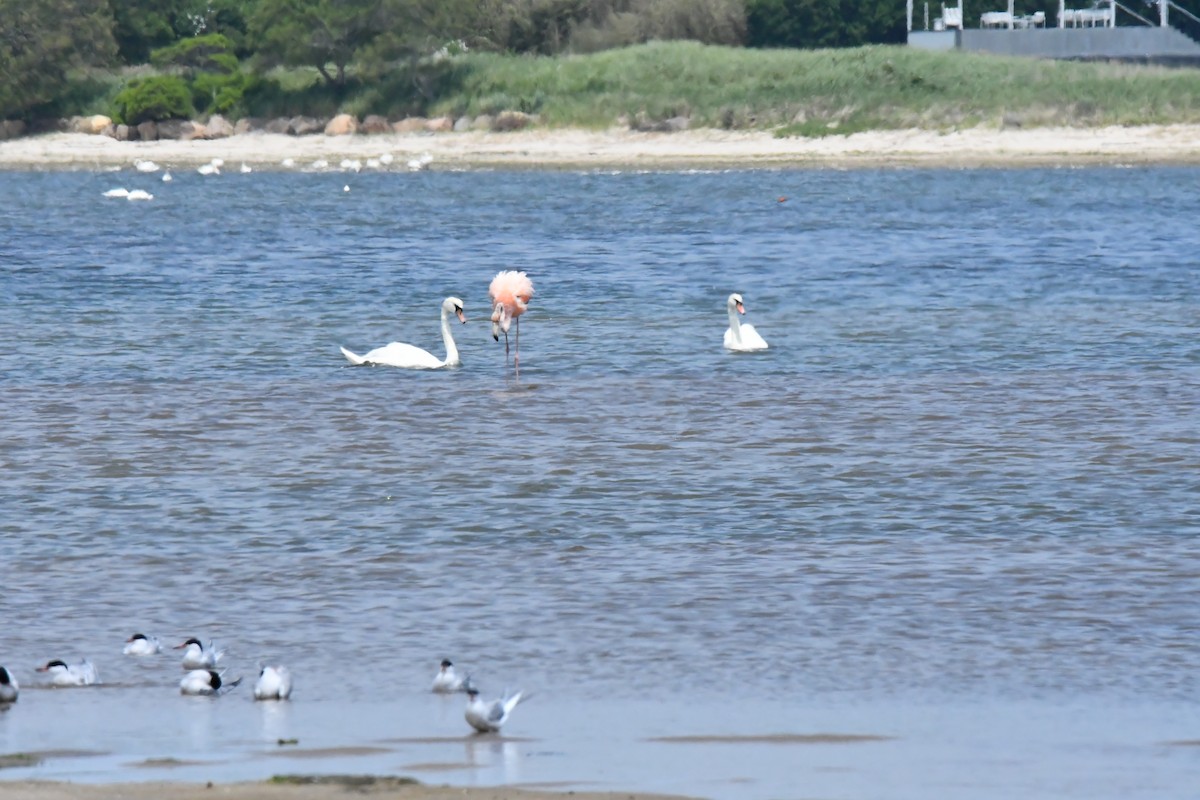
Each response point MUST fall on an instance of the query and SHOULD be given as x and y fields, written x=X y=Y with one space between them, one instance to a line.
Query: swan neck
x=448 y=339
x=734 y=324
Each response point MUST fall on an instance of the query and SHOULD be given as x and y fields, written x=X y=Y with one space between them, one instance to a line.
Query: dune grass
x=792 y=92
x=814 y=92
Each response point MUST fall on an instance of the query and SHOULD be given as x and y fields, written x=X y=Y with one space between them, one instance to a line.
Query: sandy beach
x=620 y=148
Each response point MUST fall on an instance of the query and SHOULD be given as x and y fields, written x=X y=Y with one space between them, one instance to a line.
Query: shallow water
x=954 y=505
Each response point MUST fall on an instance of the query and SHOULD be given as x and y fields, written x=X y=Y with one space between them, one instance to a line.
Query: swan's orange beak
x=741 y=308
x=461 y=316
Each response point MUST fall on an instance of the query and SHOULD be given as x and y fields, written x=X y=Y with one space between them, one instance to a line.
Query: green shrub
x=214 y=93
x=152 y=99
x=211 y=53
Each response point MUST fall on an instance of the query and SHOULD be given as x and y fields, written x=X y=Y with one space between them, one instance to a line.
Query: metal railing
x=1191 y=28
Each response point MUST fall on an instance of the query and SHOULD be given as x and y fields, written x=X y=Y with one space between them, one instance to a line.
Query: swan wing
x=406 y=356
x=353 y=358
x=751 y=338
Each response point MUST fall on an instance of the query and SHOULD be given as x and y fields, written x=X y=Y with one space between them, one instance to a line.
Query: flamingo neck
x=448 y=339
x=734 y=324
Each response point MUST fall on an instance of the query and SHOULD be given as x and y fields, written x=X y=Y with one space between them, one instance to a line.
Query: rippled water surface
x=955 y=505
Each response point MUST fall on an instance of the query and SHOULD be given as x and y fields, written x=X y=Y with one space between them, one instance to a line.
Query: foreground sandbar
x=327 y=788
x=620 y=148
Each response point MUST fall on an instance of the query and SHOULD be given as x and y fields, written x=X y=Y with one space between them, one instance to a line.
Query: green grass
x=814 y=92
x=19 y=760
x=792 y=92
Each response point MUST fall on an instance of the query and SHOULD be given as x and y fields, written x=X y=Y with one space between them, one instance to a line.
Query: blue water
x=955 y=504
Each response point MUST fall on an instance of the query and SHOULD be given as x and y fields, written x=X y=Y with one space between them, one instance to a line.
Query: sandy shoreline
x=322 y=789
x=573 y=149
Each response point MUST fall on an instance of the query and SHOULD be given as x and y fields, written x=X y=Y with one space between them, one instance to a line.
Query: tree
x=330 y=35
x=209 y=53
x=209 y=67
x=822 y=23
x=142 y=25
x=41 y=43
x=155 y=98
x=316 y=33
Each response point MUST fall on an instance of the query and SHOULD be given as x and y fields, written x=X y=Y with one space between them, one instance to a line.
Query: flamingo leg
x=517 y=349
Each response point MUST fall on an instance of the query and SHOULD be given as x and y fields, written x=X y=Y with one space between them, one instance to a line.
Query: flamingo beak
x=741 y=308
x=461 y=316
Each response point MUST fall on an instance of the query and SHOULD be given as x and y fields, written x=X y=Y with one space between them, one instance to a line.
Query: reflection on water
x=275 y=718
x=497 y=761
x=954 y=503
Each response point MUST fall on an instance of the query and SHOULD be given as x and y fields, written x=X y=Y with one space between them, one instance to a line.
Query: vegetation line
x=573 y=63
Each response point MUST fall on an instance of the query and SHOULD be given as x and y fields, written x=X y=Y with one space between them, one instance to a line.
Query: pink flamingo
x=511 y=292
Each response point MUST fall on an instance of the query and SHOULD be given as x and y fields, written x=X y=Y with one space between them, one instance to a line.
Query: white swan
x=741 y=336
x=406 y=356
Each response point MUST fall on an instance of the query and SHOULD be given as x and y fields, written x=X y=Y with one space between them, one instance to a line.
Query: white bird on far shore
x=420 y=162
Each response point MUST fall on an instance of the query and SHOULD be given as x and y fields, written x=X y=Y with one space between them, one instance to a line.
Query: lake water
x=955 y=506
